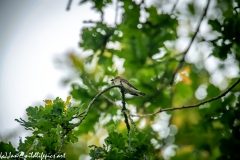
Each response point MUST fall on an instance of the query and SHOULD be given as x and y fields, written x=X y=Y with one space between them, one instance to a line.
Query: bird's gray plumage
x=129 y=88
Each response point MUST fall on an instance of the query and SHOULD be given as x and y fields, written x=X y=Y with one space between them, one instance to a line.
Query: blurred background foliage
x=148 y=45
x=159 y=48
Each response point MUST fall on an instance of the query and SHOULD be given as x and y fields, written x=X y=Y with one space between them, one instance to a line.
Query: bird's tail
x=142 y=94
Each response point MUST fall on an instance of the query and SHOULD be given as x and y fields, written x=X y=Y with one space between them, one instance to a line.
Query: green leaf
x=141 y=136
x=111 y=128
x=7 y=148
x=191 y=8
x=215 y=25
x=97 y=152
x=116 y=140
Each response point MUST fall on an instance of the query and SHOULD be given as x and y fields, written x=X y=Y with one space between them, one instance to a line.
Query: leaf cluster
x=118 y=147
x=227 y=29
x=51 y=126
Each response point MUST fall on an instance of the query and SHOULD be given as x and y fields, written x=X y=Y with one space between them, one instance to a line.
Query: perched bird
x=129 y=88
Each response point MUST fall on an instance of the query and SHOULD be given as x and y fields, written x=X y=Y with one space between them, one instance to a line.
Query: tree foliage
x=181 y=55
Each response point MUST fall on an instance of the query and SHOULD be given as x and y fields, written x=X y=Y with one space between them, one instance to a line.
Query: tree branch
x=111 y=101
x=98 y=95
x=69 y=5
x=190 y=44
x=174 y=6
x=193 y=105
x=132 y=123
x=124 y=109
x=116 y=12
x=93 y=100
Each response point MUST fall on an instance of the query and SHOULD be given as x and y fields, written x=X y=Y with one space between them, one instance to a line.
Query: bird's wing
x=125 y=81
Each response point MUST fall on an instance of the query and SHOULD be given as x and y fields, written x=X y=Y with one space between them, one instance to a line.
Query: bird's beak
x=112 y=80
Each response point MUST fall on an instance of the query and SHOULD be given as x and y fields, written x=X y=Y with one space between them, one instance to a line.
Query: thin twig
x=93 y=100
x=123 y=102
x=69 y=5
x=193 y=105
x=190 y=44
x=61 y=144
x=111 y=101
x=78 y=115
x=90 y=21
x=116 y=12
x=174 y=6
x=132 y=122
x=62 y=140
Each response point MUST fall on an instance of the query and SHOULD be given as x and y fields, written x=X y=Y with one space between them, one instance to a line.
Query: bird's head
x=116 y=78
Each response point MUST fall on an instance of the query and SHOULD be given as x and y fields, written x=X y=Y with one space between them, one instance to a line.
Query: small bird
x=129 y=88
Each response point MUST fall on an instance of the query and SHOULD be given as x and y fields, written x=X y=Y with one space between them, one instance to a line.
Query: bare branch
x=69 y=5
x=98 y=95
x=78 y=115
x=174 y=6
x=116 y=12
x=193 y=105
x=62 y=140
x=190 y=44
x=90 y=21
x=132 y=123
x=123 y=102
x=93 y=100
x=111 y=101
x=124 y=109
